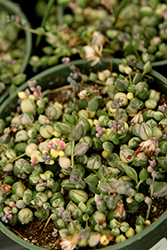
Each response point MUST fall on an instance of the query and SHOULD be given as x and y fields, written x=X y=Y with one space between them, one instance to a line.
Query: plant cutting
x=15 y=48
x=86 y=155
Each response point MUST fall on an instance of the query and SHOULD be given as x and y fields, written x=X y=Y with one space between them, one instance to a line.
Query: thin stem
x=148 y=211
x=72 y=153
x=130 y=79
x=3 y=147
x=48 y=91
x=152 y=187
x=46 y=14
x=26 y=28
x=47 y=221
x=16 y=158
x=60 y=13
x=100 y=83
x=136 y=53
x=108 y=50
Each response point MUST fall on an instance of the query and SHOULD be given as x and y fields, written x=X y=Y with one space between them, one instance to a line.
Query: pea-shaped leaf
x=120 y=7
x=160 y=189
x=81 y=148
x=76 y=176
x=143 y=174
x=131 y=173
x=78 y=132
x=78 y=195
x=64 y=128
x=93 y=104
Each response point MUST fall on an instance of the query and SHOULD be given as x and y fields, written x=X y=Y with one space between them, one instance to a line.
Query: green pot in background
x=14 y=9
x=55 y=77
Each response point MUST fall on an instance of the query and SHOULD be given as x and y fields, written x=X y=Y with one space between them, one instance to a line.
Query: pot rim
x=129 y=241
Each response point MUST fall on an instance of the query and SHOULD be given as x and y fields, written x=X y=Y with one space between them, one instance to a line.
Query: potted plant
x=15 y=48
x=84 y=151
x=66 y=27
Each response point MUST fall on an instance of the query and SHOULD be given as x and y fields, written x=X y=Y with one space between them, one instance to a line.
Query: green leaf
x=143 y=174
x=160 y=189
x=120 y=7
x=45 y=17
x=81 y=148
x=78 y=132
x=93 y=104
x=131 y=173
x=64 y=129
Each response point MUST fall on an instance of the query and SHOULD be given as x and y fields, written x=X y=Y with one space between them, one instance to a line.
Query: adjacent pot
x=13 y=9
x=55 y=77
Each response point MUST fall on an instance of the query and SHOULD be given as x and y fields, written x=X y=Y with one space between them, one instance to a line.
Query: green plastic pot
x=13 y=9
x=56 y=76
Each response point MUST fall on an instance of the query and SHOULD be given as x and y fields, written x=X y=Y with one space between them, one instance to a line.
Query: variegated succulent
x=104 y=147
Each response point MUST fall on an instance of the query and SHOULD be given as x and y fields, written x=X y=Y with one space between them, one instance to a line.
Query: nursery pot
x=154 y=236
x=12 y=9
